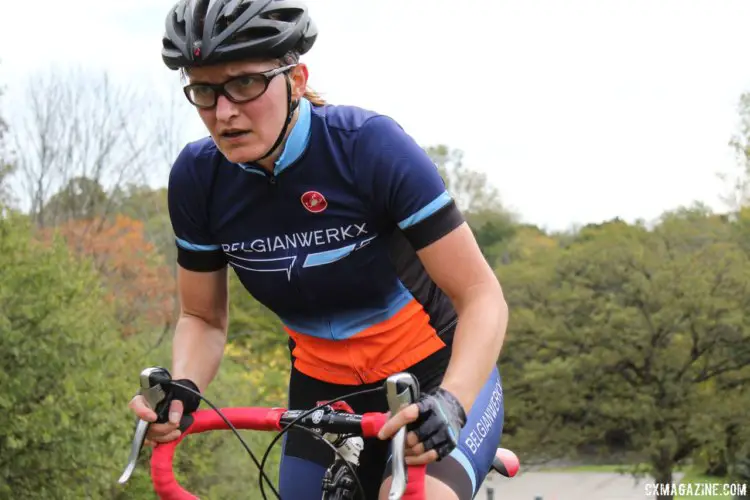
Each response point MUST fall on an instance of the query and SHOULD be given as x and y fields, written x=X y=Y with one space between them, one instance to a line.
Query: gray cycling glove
x=441 y=418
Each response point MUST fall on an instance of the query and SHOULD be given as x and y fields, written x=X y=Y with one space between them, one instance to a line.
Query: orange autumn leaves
x=139 y=283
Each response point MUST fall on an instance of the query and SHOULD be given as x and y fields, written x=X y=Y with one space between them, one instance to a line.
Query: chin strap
x=291 y=107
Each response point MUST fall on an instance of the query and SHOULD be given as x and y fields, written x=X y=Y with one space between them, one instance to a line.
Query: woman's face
x=244 y=132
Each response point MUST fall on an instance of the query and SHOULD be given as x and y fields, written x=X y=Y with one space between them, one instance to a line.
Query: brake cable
x=232 y=427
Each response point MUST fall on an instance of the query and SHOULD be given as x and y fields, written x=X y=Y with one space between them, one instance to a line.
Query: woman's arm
x=457 y=266
x=201 y=330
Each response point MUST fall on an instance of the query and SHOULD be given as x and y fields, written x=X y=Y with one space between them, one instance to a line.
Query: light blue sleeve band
x=196 y=248
x=442 y=200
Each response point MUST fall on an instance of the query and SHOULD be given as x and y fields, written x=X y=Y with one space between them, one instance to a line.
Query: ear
x=299 y=80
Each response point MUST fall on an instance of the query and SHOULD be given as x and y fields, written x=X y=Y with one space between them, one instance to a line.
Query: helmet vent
x=229 y=15
x=255 y=33
x=179 y=26
x=200 y=18
x=285 y=15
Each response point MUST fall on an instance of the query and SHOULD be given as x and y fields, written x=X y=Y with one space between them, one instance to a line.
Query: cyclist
x=336 y=220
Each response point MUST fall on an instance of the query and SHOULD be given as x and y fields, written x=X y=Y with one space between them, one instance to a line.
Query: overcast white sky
x=579 y=111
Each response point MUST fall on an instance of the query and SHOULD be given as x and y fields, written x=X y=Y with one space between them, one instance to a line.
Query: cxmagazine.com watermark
x=696 y=489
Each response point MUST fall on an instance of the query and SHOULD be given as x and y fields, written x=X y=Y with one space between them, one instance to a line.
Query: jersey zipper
x=296 y=284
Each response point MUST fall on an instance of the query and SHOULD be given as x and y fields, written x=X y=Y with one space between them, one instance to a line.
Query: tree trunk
x=662 y=468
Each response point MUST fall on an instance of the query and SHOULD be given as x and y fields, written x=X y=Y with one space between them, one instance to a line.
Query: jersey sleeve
x=403 y=182
x=187 y=198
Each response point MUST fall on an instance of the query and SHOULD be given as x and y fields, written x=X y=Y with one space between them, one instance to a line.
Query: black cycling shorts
x=305 y=459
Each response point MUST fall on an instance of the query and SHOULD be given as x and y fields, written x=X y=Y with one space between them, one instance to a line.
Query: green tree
x=740 y=471
x=63 y=367
x=259 y=344
x=6 y=168
x=521 y=242
x=477 y=198
x=136 y=279
x=629 y=332
x=6 y=172
x=738 y=193
x=80 y=198
x=470 y=188
x=80 y=131
x=141 y=202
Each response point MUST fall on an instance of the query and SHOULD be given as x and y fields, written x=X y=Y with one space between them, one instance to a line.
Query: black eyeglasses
x=240 y=89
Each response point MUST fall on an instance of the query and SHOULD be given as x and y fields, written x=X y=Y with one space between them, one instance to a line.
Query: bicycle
x=333 y=422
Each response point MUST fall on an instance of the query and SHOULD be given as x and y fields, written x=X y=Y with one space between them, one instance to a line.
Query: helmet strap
x=291 y=107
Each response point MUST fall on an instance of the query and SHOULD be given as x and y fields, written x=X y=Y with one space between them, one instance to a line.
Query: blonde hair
x=314 y=98
x=310 y=94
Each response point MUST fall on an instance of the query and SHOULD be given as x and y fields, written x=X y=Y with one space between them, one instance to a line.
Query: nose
x=225 y=109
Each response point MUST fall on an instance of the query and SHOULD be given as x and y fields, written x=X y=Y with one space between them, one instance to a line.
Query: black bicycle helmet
x=203 y=32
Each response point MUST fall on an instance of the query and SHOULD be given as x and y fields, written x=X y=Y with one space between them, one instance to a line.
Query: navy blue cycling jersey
x=328 y=241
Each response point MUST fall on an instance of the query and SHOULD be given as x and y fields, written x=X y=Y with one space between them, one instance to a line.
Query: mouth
x=234 y=133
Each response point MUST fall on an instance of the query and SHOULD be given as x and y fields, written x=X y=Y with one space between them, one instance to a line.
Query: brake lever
x=402 y=389
x=151 y=388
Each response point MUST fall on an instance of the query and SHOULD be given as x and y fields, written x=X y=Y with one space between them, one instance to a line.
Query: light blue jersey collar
x=295 y=144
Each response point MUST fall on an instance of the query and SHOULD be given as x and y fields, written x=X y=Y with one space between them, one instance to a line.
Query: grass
x=621 y=469
x=693 y=477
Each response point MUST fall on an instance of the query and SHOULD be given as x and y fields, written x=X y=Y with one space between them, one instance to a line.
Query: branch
x=167 y=328
x=724 y=367
x=624 y=365
x=79 y=125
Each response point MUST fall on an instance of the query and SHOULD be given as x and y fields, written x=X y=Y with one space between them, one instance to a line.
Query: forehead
x=221 y=72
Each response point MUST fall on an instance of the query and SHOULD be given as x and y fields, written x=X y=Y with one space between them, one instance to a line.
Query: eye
x=245 y=87
x=246 y=81
x=201 y=90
